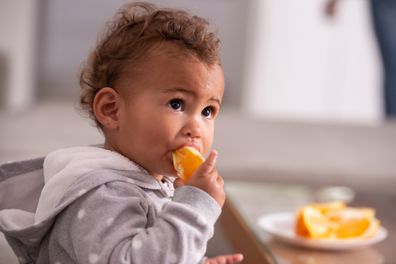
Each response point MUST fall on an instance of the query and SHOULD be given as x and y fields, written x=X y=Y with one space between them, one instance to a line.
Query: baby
x=153 y=84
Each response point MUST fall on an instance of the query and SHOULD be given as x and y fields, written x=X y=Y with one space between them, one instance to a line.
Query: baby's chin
x=173 y=177
x=171 y=174
x=167 y=172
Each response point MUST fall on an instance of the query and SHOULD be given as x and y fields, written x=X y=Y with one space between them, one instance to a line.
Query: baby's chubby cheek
x=168 y=165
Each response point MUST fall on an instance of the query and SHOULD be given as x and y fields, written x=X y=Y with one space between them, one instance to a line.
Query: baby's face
x=173 y=102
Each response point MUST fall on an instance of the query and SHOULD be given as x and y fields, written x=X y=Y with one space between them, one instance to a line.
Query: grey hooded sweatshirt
x=91 y=205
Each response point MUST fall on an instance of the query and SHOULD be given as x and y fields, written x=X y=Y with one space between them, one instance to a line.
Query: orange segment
x=353 y=228
x=186 y=160
x=335 y=221
x=329 y=207
x=313 y=224
x=355 y=222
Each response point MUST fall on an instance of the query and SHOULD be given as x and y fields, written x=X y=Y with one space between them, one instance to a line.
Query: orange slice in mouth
x=186 y=160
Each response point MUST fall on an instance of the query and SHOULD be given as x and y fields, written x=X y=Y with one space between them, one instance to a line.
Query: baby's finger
x=210 y=162
x=236 y=258
x=225 y=259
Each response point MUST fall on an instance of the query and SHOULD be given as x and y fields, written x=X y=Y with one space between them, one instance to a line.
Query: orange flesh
x=186 y=160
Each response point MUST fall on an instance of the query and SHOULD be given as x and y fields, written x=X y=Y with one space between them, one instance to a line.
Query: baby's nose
x=193 y=128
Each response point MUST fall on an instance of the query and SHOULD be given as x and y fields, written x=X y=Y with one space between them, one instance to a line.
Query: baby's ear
x=106 y=106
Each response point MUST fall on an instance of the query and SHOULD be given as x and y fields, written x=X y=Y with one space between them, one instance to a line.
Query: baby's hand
x=206 y=178
x=226 y=259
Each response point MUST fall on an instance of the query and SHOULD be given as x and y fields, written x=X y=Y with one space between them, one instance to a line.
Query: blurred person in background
x=383 y=14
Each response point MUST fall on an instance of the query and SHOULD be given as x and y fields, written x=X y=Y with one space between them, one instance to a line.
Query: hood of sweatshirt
x=34 y=192
x=63 y=167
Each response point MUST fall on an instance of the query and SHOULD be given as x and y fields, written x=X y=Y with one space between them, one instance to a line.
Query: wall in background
x=281 y=58
x=301 y=65
x=18 y=38
x=72 y=26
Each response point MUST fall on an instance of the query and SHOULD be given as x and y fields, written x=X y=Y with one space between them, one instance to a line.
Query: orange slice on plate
x=336 y=221
x=324 y=208
x=355 y=223
x=186 y=160
x=312 y=223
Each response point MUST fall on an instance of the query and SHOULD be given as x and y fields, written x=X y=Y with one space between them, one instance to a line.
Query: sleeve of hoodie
x=110 y=225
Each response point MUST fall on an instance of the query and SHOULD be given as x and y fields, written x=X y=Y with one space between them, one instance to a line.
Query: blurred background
x=282 y=59
x=303 y=98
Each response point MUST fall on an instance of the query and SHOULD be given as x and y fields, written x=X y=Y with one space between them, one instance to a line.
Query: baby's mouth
x=191 y=144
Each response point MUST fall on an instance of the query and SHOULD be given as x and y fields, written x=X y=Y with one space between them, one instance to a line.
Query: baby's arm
x=115 y=224
x=207 y=178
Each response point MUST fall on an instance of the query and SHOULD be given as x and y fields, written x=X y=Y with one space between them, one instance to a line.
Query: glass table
x=248 y=201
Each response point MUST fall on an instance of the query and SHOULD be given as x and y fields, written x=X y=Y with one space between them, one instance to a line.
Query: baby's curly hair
x=134 y=30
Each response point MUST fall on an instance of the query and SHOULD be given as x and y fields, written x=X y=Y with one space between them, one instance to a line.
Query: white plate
x=281 y=227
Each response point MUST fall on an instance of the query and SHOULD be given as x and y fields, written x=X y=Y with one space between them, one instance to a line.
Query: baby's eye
x=176 y=104
x=207 y=112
